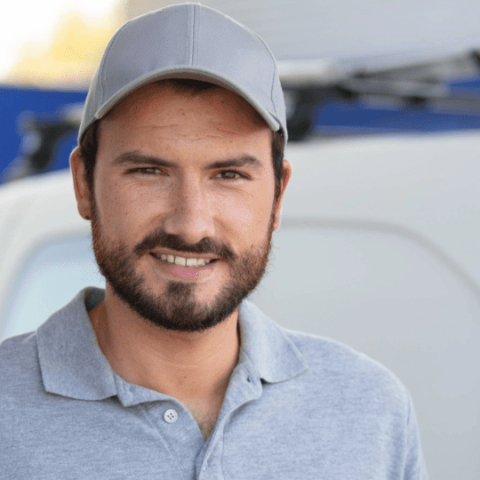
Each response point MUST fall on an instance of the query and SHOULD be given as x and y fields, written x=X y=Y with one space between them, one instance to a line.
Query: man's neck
x=191 y=367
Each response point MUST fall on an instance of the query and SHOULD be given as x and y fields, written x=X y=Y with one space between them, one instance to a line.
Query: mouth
x=188 y=269
x=197 y=262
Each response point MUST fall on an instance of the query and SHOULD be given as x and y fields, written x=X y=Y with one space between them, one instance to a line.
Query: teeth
x=189 y=262
x=180 y=261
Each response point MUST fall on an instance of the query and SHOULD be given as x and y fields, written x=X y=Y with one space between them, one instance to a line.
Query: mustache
x=160 y=238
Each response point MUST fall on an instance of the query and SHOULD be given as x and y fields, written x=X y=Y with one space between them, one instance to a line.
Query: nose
x=190 y=215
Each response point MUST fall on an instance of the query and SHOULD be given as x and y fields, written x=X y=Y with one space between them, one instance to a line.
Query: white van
x=379 y=248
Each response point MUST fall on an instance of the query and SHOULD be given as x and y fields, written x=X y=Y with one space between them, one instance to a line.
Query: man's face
x=183 y=176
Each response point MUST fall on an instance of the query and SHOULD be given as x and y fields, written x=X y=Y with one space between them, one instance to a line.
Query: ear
x=82 y=192
x=287 y=173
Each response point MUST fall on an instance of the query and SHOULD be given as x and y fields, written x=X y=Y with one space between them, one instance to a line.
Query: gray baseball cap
x=186 y=41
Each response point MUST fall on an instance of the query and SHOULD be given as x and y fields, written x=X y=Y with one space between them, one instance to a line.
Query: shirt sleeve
x=415 y=467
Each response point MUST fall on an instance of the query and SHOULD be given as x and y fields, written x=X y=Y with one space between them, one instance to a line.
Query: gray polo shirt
x=298 y=406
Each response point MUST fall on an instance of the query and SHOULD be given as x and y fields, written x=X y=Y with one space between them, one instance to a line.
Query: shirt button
x=170 y=416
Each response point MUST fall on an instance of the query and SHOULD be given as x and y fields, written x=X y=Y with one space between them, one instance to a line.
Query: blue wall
x=15 y=100
x=353 y=117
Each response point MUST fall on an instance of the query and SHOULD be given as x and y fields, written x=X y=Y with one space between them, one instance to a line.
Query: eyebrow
x=136 y=158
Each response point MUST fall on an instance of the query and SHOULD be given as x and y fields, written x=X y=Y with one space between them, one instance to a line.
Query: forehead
x=161 y=103
x=166 y=119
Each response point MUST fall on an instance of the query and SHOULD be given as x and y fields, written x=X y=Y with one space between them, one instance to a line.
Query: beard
x=177 y=308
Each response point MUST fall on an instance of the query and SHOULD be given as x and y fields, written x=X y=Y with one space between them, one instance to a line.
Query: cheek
x=246 y=211
x=243 y=217
x=122 y=209
x=248 y=220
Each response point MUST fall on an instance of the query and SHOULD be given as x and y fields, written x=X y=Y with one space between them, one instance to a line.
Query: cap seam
x=192 y=34
x=196 y=29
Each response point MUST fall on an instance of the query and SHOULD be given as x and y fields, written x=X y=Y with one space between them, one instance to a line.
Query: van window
x=52 y=275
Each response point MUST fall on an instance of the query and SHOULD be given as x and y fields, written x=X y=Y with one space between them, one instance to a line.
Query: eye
x=231 y=175
x=147 y=171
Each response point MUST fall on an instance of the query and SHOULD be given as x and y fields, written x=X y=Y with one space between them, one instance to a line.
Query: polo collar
x=71 y=361
x=72 y=364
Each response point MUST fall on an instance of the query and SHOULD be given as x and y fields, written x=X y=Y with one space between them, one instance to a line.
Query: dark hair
x=89 y=143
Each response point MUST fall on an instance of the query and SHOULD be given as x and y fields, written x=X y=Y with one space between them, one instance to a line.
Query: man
x=169 y=372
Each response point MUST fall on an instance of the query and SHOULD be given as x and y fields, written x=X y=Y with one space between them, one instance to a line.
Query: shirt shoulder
x=18 y=353
x=21 y=385
x=19 y=365
x=337 y=368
